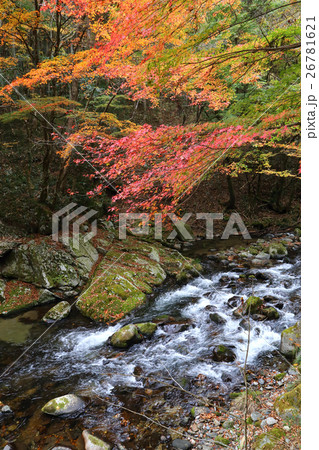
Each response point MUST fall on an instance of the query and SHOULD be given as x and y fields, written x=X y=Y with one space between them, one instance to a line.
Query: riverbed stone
x=126 y=336
x=216 y=318
x=222 y=353
x=66 y=404
x=58 y=312
x=290 y=341
x=181 y=444
x=93 y=443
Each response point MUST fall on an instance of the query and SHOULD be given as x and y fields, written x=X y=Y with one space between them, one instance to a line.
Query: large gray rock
x=291 y=340
x=43 y=265
x=50 y=266
x=58 y=312
x=67 y=404
x=93 y=443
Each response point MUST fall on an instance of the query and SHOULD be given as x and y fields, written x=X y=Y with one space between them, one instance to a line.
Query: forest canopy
x=143 y=101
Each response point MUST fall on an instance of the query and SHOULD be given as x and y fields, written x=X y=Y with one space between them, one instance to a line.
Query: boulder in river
x=93 y=443
x=147 y=328
x=215 y=317
x=290 y=341
x=58 y=312
x=67 y=404
x=126 y=336
x=222 y=353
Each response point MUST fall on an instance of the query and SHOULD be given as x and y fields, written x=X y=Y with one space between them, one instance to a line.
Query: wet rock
x=290 y=341
x=271 y=313
x=252 y=305
x=222 y=353
x=58 y=312
x=67 y=404
x=147 y=328
x=234 y=301
x=181 y=444
x=270 y=440
x=216 y=318
x=126 y=336
x=93 y=443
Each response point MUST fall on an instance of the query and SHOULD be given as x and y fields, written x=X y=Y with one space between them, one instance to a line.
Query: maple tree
x=226 y=61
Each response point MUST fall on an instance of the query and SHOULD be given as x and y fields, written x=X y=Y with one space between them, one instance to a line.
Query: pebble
x=255 y=416
x=261 y=381
x=181 y=444
x=268 y=422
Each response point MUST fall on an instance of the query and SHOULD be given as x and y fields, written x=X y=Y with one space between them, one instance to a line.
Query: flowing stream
x=74 y=356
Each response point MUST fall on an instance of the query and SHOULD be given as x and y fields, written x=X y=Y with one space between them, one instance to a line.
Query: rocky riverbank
x=111 y=277
x=168 y=375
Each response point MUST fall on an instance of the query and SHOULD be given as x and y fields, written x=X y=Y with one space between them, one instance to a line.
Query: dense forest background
x=150 y=105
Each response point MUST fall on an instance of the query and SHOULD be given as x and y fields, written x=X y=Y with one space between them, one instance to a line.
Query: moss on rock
x=288 y=405
x=147 y=328
x=126 y=336
x=273 y=439
x=290 y=341
x=58 y=312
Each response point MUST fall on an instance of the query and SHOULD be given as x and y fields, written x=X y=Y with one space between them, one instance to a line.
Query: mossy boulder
x=147 y=328
x=273 y=439
x=271 y=313
x=222 y=353
x=290 y=341
x=67 y=404
x=129 y=270
x=277 y=250
x=42 y=264
x=93 y=443
x=126 y=336
x=252 y=306
x=288 y=405
x=58 y=312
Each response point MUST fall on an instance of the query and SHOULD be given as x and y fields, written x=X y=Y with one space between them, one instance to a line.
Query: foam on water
x=184 y=353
